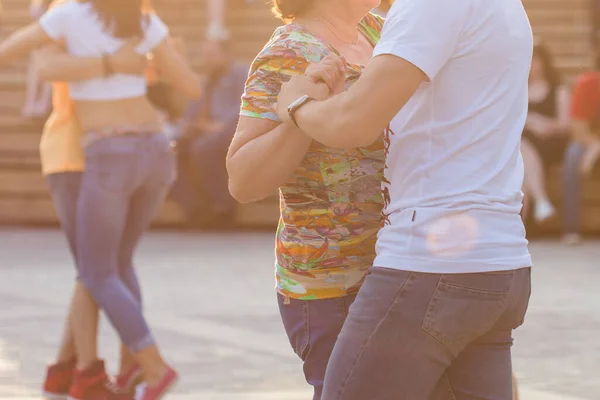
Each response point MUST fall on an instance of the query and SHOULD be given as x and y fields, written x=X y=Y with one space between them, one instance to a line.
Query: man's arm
x=356 y=118
x=419 y=38
x=54 y=64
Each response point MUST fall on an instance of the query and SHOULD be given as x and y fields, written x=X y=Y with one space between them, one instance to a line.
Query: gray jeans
x=415 y=336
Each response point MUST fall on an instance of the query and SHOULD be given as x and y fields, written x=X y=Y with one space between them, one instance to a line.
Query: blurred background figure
x=583 y=151
x=204 y=137
x=545 y=136
x=38 y=93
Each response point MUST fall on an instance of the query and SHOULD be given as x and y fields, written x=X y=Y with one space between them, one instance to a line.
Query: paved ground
x=213 y=311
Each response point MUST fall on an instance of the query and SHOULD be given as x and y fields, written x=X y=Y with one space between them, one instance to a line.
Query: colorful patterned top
x=330 y=210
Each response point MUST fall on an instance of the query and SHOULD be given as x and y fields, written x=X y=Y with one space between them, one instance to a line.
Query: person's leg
x=31 y=89
x=571 y=185
x=64 y=190
x=216 y=16
x=534 y=183
x=313 y=327
x=143 y=205
x=483 y=370
x=185 y=190
x=405 y=330
x=208 y=155
x=109 y=180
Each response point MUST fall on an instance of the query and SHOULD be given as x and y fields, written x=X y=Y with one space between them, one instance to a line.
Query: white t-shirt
x=84 y=35
x=454 y=169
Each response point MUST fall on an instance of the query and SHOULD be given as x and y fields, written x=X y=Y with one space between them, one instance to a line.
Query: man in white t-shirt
x=448 y=86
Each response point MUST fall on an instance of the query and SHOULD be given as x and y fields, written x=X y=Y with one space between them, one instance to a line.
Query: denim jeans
x=572 y=182
x=313 y=327
x=64 y=190
x=126 y=179
x=429 y=337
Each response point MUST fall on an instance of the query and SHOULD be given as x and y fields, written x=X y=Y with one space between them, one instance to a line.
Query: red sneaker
x=58 y=380
x=128 y=381
x=162 y=388
x=94 y=384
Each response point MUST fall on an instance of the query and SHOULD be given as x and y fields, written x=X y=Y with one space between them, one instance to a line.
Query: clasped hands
x=320 y=81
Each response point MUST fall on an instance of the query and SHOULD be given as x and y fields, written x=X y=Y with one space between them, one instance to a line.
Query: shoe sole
x=54 y=396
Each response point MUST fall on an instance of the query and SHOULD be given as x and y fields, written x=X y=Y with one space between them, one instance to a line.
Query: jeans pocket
x=458 y=314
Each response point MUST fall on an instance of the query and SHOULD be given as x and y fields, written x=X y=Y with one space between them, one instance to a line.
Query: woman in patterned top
x=330 y=199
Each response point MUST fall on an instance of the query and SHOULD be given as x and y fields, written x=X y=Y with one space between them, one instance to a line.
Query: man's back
x=454 y=164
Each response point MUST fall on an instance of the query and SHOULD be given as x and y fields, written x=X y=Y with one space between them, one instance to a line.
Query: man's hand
x=295 y=88
x=127 y=61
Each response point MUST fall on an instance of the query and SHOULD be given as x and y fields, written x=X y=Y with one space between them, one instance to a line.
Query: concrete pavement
x=211 y=304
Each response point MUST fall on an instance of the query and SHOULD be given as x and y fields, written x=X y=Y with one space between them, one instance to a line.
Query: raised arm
x=418 y=39
x=22 y=42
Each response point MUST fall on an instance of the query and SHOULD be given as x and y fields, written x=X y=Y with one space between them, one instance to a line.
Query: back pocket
x=466 y=306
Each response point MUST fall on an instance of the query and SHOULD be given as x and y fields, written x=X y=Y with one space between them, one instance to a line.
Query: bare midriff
x=97 y=115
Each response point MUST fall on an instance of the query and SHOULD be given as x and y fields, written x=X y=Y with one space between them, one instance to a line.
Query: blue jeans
x=126 y=179
x=64 y=190
x=429 y=336
x=572 y=182
x=313 y=327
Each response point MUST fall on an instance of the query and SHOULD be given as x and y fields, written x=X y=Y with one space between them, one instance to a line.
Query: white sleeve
x=156 y=31
x=55 y=21
x=423 y=32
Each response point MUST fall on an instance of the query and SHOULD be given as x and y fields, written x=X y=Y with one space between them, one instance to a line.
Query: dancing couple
x=105 y=123
x=446 y=279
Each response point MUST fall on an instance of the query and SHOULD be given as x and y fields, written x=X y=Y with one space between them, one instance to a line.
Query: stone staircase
x=563 y=24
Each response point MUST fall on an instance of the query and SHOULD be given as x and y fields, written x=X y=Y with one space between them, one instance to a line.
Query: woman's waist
x=101 y=115
x=114 y=87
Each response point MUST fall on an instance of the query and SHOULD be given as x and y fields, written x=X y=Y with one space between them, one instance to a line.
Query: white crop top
x=83 y=33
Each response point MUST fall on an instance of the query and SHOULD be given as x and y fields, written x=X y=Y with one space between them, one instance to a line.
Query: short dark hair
x=288 y=10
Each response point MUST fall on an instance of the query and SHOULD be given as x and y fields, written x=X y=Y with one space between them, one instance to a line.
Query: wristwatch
x=295 y=106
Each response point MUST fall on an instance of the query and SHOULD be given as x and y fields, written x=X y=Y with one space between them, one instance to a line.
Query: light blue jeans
x=126 y=178
x=572 y=182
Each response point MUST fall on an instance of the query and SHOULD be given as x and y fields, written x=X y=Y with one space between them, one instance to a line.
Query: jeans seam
x=452 y=394
x=302 y=350
x=400 y=291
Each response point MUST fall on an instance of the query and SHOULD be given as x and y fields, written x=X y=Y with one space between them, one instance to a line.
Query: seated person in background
x=583 y=151
x=206 y=132
x=545 y=137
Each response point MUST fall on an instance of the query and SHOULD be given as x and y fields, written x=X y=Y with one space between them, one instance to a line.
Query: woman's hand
x=331 y=71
